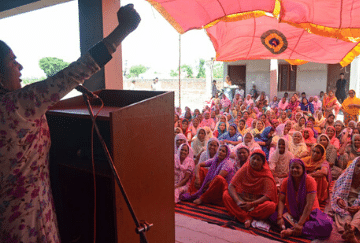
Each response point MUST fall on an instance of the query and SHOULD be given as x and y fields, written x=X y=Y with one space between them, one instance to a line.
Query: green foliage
x=188 y=70
x=201 y=73
x=174 y=73
x=52 y=65
x=218 y=70
x=26 y=81
x=135 y=71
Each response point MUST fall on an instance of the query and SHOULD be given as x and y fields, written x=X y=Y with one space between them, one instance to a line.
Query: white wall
x=257 y=72
x=311 y=77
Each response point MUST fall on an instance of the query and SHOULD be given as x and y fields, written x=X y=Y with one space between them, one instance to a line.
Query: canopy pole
x=180 y=70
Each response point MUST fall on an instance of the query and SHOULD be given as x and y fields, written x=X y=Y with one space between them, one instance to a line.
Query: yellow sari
x=350 y=113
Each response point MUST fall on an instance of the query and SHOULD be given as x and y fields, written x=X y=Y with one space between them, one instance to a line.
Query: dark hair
x=261 y=155
x=341 y=73
x=321 y=92
x=303 y=93
x=312 y=118
x=185 y=121
x=4 y=51
x=214 y=81
x=242 y=120
x=331 y=115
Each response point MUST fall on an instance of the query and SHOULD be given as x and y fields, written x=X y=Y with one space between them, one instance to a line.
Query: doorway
x=237 y=74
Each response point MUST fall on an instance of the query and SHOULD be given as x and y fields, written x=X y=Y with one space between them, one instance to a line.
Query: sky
x=54 y=32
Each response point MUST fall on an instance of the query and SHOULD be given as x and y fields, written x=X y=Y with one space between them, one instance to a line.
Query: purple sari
x=213 y=171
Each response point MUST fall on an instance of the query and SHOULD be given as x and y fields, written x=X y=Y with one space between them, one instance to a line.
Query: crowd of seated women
x=274 y=161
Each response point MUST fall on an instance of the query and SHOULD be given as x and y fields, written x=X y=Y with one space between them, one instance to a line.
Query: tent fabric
x=242 y=40
x=326 y=31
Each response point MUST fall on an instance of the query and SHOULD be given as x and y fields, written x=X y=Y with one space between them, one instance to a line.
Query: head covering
x=342 y=188
x=348 y=101
x=312 y=128
x=198 y=145
x=252 y=145
x=256 y=131
x=326 y=136
x=353 y=149
x=276 y=157
x=234 y=138
x=189 y=158
x=311 y=138
x=312 y=165
x=219 y=130
x=238 y=147
x=248 y=180
x=297 y=201
x=213 y=171
x=178 y=137
x=207 y=146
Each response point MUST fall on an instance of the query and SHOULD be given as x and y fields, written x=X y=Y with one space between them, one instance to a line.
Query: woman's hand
x=297 y=230
x=353 y=209
x=128 y=18
x=341 y=203
x=246 y=206
x=281 y=223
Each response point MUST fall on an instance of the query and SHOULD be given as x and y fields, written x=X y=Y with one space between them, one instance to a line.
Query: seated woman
x=298 y=198
x=221 y=129
x=260 y=126
x=317 y=167
x=309 y=138
x=350 y=152
x=186 y=130
x=184 y=168
x=265 y=139
x=242 y=155
x=283 y=117
x=300 y=125
x=339 y=127
x=177 y=130
x=242 y=127
x=252 y=193
x=310 y=124
x=307 y=107
x=194 y=126
x=247 y=118
x=249 y=142
x=199 y=143
x=224 y=120
x=319 y=121
x=179 y=139
x=331 y=155
x=211 y=150
x=345 y=202
x=232 y=137
x=207 y=121
x=297 y=146
x=208 y=186
x=331 y=132
x=279 y=161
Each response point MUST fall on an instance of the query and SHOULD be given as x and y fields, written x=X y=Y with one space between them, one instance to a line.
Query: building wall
x=311 y=77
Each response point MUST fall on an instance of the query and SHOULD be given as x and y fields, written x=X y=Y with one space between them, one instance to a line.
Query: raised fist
x=128 y=17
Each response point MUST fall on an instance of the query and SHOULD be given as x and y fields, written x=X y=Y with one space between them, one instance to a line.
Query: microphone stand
x=142 y=227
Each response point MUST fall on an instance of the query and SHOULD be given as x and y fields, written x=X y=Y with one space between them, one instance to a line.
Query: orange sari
x=323 y=182
x=328 y=102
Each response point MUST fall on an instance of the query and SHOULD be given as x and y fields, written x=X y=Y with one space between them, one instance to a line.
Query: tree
x=218 y=70
x=201 y=73
x=135 y=71
x=188 y=70
x=52 y=65
x=174 y=73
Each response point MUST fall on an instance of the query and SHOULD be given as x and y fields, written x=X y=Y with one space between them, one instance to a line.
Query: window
x=287 y=77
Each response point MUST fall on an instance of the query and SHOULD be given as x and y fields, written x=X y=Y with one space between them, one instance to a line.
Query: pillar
x=273 y=78
x=355 y=76
x=97 y=19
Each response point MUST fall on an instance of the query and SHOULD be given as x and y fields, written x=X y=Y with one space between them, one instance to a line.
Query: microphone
x=85 y=91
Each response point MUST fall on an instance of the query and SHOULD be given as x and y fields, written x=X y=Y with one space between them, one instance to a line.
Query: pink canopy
x=251 y=39
x=326 y=31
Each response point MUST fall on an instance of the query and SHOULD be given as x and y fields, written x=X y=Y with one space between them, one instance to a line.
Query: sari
x=225 y=102
x=308 y=107
x=252 y=145
x=329 y=102
x=197 y=145
x=264 y=138
x=255 y=131
x=343 y=190
x=317 y=104
x=250 y=185
x=206 y=154
x=217 y=182
x=279 y=163
x=237 y=164
x=334 y=141
x=318 y=225
x=208 y=122
x=235 y=138
x=323 y=183
x=350 y=113
x=293 y=106
x=283 y=105
x=181 y=168
x=311 y=139
x=178 y=137
x=218 y=132
x=297 y=148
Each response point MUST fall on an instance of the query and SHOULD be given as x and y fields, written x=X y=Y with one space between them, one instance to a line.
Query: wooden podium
x=138 y=128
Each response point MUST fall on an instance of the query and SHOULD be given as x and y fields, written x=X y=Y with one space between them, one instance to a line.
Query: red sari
x=258 y=183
